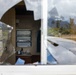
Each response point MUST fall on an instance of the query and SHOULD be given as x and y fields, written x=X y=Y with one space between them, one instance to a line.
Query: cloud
x=65 y=8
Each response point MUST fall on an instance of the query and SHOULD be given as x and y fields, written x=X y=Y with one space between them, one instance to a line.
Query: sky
x=65 y=8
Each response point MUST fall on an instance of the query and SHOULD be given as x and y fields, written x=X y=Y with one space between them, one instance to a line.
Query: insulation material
x=6 y=48
x=0 y=34
x=1 y=48
x=1 y=52
x=3 y=37
x=3 y=32
x=35 y=6
x=1 y=45
x=5 y=5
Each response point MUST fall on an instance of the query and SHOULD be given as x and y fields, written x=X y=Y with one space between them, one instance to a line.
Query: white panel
x=35 y=6
x=44 y=34
x=31 y=4
x=5 y=5
x=37 y=13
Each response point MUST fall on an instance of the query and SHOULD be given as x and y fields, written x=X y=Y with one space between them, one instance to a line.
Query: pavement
x=64 y=52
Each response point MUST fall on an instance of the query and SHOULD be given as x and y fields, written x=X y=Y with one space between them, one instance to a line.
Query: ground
x=65 y=52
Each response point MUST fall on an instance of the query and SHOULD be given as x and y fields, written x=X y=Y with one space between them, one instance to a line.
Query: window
x=23 y=38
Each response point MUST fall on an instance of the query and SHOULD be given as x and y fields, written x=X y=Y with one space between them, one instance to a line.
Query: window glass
x=62 y=31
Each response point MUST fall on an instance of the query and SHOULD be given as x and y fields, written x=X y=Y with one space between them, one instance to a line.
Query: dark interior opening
x=21 y=10
x=26 y=21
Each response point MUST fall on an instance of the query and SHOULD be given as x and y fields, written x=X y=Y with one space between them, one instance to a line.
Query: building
x=22 y=20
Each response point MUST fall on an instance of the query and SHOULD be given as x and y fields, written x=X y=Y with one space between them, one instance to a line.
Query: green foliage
x=64 y=30
x=56 y=31
x=53 y=31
